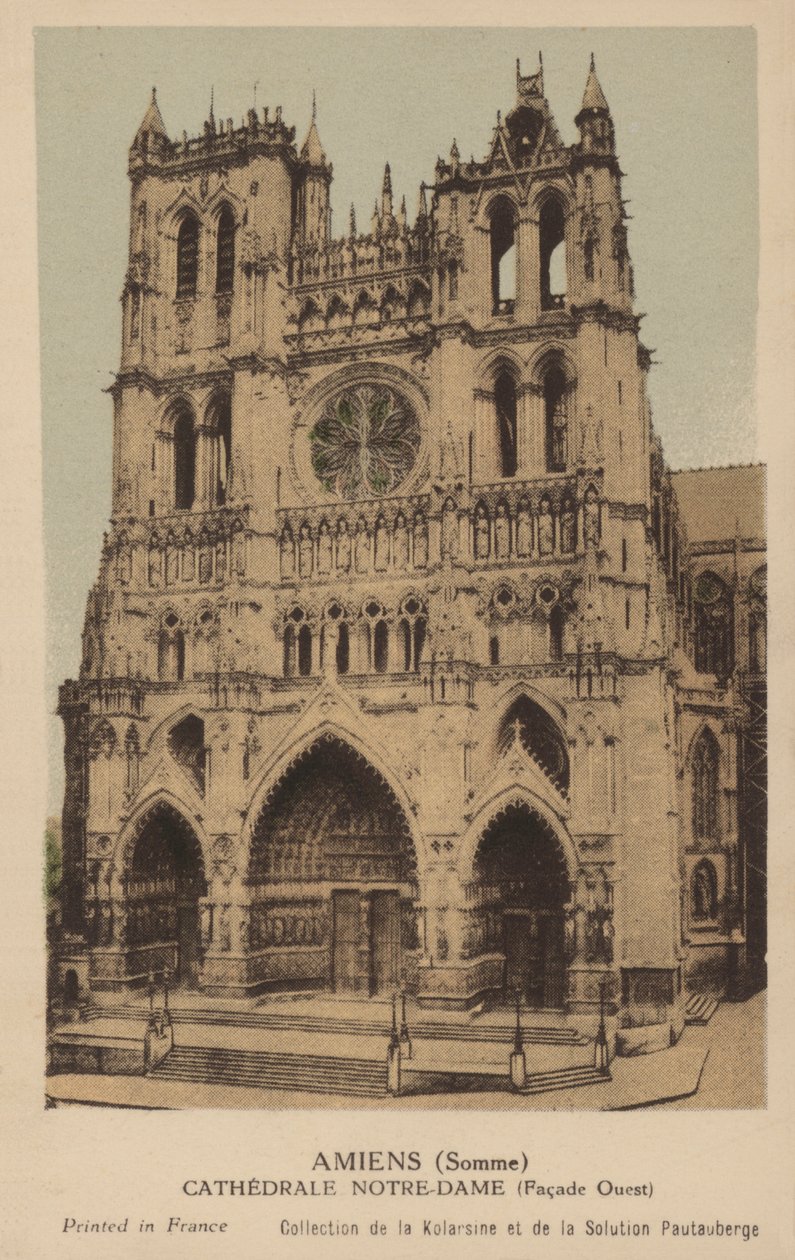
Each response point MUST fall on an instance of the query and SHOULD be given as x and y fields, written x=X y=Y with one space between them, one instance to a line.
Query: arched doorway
x=523 y=886
x=165 y=883
x=332 y=878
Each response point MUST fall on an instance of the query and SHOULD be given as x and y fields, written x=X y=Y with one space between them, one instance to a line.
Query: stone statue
x=381 y=545
x=172 y=564
x=420 y=541
x=324 y=548
x=220 y=559
x=287 y=554
x=524 y=530
x=546 y=528
x=400 y=543
x=206 y=564
x=449 y=530
x=305 y=550
x=590 y=526
x=482 y=542
x=362 y=546
x=502 y=533
x=343 y=546
x=567 y=527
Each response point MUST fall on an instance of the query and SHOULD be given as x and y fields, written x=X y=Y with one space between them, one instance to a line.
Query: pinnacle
x=594 y=97
x=312 y=150
x=153 y=120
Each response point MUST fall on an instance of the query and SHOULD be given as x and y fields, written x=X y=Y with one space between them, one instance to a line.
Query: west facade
x=409 y=661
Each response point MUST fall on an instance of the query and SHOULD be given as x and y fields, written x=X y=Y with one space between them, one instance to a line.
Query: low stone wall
x=459 y=984
x=110 y=1058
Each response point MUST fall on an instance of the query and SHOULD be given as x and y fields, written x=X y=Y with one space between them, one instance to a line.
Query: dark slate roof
x=720 y=504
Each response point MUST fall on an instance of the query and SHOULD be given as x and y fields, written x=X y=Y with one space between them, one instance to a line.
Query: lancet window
x=706 y=761
x=502 y=230
x=187 y=257
x=552 y=254
x=225 y=252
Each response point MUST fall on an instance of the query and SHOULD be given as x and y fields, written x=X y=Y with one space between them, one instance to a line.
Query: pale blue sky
x=684 y=106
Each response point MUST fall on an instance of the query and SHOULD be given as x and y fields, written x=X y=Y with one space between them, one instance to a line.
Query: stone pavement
x=719 y=1065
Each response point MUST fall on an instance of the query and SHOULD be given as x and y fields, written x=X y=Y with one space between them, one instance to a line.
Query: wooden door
x=345 y=941
x=554 y=965
x=384 y=942
x=188 y=950
x=516 y=940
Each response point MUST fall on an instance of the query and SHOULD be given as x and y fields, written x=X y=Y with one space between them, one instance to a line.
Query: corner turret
x=597 y=134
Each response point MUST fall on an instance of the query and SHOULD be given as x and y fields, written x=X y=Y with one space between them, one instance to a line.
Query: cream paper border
x=105 y=1164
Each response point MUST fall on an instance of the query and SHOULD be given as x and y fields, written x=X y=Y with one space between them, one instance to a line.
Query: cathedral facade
x=404 y=666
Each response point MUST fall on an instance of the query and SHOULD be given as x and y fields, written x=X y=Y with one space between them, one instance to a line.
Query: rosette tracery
x=365 y=442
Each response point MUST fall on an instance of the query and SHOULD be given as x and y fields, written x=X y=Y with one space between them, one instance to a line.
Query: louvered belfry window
x=187 y=257
x=225 y=252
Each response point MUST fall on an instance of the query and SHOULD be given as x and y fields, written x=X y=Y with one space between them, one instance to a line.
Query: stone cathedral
x=410 y=662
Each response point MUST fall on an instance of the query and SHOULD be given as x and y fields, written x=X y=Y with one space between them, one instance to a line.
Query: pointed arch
x=502 y=220
x=187 y=256
x=539 y=735
x=419 y=301
x=155 y=798
x=714 y=626
x=704 y=892
x=225 y=249
x=338 y=313
x=552 y=250
x=310 y=318
x=182 y=419
x=490 y=810
x=336 y=731
x=705 y=770
x=218 y=417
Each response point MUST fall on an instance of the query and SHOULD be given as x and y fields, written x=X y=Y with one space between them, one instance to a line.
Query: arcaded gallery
x=410 y=665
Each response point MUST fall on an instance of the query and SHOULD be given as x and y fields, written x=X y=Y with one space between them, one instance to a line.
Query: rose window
x=365 y=442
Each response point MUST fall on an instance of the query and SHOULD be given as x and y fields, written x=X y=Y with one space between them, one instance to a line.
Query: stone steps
x=356 y=1027
x=564 y=1078
x=322 y=1074
x=700 y=1008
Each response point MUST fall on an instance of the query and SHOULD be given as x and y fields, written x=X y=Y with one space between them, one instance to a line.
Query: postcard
x=413 y=418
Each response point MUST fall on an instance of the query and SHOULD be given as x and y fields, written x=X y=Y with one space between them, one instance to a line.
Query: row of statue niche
x=401 y=546
x=173 y=563
x=502 y=536
x=360 y=550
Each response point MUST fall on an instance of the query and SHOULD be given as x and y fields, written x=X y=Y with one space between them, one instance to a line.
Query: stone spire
x=312 y=152
x=594 y=97
x=386 y=194
x=152 y=128
x=594 y=120
x=422 y=205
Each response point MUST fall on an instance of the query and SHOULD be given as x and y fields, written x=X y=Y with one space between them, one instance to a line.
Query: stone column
x=527 y=463
x=485 y=461
x=202 y=467
x=163 y=487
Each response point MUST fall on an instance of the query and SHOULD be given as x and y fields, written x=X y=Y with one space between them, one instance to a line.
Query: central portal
x=523 y=888
x=332 y=852
x=365 y=942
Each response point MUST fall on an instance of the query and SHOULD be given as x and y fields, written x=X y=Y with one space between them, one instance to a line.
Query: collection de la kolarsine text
x=393 y=1174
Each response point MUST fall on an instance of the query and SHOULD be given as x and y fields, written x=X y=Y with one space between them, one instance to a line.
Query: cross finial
x=314 y=106
x=593 y=62
x=154 y=95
